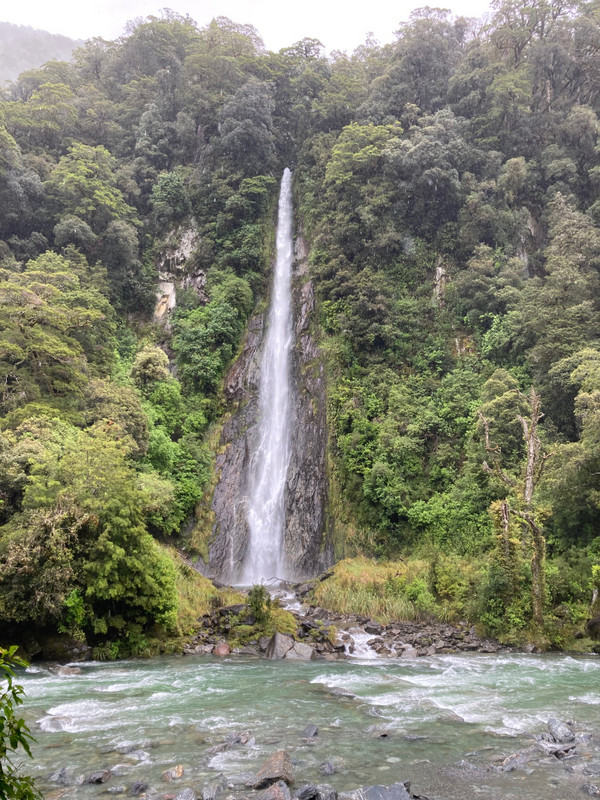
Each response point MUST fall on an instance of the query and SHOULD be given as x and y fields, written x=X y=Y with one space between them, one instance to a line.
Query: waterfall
x=269 y=463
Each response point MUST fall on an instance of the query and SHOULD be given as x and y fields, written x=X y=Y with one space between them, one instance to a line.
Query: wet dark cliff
x=307 y=546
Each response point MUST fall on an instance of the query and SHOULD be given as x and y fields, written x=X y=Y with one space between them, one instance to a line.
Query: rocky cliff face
x=175 y=272
x=308 y=549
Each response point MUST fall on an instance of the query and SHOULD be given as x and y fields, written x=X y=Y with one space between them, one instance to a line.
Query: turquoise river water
x=447 y=722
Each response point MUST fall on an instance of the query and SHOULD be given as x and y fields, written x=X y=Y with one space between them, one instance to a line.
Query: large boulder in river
x=277 y=768
x=276 y=791
x=300 y=652
x=559 y=731
x=279 y=645
x=100 y=776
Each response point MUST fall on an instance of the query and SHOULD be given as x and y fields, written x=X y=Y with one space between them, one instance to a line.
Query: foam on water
x=435 y=711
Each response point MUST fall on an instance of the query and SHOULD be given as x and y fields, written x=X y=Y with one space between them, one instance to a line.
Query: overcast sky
x=339 y=24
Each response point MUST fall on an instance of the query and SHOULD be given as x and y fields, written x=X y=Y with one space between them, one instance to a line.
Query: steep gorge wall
x=307 y=546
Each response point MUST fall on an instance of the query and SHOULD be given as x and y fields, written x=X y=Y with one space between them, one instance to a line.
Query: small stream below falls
x=443 y=723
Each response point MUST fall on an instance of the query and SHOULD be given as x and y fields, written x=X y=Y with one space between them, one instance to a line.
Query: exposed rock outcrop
x=308 y=547
x=176 y=271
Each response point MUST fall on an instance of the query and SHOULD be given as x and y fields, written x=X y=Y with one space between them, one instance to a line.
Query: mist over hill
x=23 y=47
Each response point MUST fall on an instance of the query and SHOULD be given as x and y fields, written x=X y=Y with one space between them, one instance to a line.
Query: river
x=439 y=722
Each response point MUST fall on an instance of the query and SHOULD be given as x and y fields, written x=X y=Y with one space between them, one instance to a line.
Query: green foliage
x=14 y=733
x=169 y=200
x=82 y=537
x=84 y=185
x=259 y=604
x=447 y=185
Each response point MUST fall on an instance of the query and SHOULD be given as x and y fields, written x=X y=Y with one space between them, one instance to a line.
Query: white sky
x=339 y=24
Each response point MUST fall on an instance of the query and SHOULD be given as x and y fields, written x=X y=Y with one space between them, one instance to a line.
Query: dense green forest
x=447 y=186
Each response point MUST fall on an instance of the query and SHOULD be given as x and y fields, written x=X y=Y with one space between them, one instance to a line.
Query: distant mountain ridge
x=23 y=47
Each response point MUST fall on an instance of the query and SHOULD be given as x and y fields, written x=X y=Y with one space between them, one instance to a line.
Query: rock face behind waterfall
x=307 y=546
x=230 y=530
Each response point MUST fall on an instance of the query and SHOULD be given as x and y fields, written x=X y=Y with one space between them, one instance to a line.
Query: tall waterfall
x=269 y=463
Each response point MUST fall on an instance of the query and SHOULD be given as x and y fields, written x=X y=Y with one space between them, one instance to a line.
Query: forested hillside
x=22 y=47
x=447 y=186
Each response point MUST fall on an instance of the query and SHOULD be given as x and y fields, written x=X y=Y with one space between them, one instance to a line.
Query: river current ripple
x=444 y=723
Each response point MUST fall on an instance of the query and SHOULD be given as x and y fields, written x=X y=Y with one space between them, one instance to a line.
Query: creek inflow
x=444 y=722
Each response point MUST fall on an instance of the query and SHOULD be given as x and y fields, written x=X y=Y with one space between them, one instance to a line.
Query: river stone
x=300 y=652
x=61 y=776
x=327 y=768
x=67 y=671
x=139 y=787
x=310 y=731
x=395 y=791
x=279 y=646
x=326 y=792
x=186 y=794
x=516 y=760
x=211 y=792
x=339 y=691
x=409 y=652
x=277 y=767
x=306 y=792
x=222 y=649
x=173 y=773
x=373 y=627
x=100 y=776
x=276 y=791
x=559 y=731
x=591 y=789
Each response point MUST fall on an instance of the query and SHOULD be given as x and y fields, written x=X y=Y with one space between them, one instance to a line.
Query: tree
x=14 y=733
x=521 y=501
x=84 y=185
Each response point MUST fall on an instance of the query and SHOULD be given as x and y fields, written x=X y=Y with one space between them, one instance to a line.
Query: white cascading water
x=269 y=463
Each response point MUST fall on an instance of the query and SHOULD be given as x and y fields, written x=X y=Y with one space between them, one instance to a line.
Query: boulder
x=276 y=791
x=516 y=760
x=300 y=652
x=306 y=792
x=395 y=791
x=245 y=737
x=373 y=627
x=279 y=645
x=222 y=649
x=409 y=652
x=61 y=776
x=186 y=794
x=65 y=671
x=173 y=773
x=100 y=776
x=277 y=768
x=326 y=792
x=211 y=792
x=591 y=789
x=339 y=691
x=559 y=731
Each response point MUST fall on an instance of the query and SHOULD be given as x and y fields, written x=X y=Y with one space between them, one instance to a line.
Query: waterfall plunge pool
x=445 y=720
